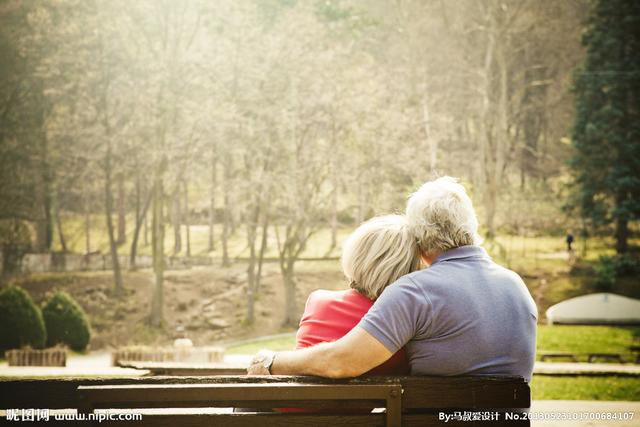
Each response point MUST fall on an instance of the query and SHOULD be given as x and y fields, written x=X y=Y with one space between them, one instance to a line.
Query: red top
x=329 y=315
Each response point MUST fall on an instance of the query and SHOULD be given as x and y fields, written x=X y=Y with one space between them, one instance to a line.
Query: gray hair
x=378 y=253
x=441 y=216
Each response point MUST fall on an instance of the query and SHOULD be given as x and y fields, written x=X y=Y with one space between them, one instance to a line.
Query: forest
x=201 y=128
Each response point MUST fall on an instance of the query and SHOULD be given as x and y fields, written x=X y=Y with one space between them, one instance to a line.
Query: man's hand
x=261 y=363
x=350 y=356
x=256 y=368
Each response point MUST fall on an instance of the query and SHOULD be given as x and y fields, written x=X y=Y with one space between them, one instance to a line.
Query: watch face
x=266 y=359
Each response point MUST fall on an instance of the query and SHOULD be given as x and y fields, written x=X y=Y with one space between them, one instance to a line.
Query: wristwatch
x=266 y=357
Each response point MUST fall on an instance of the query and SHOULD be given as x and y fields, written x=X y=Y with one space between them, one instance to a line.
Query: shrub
x=66 y=322
x=609 y=269
x=21 y=322
x=627 y=265
x=605 y=274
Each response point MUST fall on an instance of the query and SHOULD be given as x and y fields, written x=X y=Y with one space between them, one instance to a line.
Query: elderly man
x=463 y=315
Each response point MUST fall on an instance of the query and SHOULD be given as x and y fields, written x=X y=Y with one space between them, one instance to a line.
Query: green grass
x=586 y=339
x=275 y=344
x=545 y=387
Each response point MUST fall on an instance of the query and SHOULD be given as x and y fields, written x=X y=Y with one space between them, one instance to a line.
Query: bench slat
x=235 y=395
x=464 y=392
x=184 y=369
x=252 y=420
x=302 y=420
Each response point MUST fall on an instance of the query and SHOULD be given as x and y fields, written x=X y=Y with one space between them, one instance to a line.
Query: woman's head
x=378 y=253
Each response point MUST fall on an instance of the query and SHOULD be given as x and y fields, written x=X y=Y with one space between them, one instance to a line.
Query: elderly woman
x=377 y=254
x=464 y=314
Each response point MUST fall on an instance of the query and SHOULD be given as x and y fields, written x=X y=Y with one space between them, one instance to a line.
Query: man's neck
x=428 y=259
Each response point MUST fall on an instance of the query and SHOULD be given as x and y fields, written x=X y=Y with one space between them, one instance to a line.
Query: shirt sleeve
x=302 y=339
x=401 y=313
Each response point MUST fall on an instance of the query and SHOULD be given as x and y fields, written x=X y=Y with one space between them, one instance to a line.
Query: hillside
x=208 y=302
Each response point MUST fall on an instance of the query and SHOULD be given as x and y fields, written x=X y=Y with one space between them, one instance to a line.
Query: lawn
x=586 y=339
x=545 y=387
x=575 y=339
x=279 y=343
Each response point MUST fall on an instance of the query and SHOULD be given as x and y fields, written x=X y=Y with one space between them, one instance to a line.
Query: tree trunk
x=44 y=225
x=87 y=226
x=584 y=235
x=334 y=214
x=145 y=234
x=251 y=273
x=122 y=220
x=141 y=215
x=113 y=245
x=263 y=248
x=212 y=199
x=490 y=209
x=291 y=313
x=175 y=216
x=226 y=216
x=103 y=107
x=487 y=162
x=63 y=241
x=335 y=183
x=157 y=241
x=254 y=269
x=622 y=235
x=251 y=300
x=502 y=138
x=186 y=217
x=137 y=209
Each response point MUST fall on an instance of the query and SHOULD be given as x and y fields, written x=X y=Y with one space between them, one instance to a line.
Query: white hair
x=441 y=216
x=378 y=253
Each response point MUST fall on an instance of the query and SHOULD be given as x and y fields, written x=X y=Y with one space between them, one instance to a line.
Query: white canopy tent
x=596 y=309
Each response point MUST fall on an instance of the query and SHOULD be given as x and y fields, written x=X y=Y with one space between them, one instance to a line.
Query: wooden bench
x=635 y=349
x=407 y=401
x=186 y=369
x=614 y=357
x=56 y=356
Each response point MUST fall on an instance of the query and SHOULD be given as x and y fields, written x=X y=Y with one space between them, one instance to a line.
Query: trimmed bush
x=21 y=322
x=66 y=322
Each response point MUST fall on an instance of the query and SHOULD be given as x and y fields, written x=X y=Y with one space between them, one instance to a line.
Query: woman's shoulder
x=324 y=295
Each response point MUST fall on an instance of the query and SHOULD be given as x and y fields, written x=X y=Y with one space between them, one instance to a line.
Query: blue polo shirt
x=464 y=314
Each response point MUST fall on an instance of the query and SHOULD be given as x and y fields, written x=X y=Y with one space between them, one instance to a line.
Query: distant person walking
x=569 y=240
